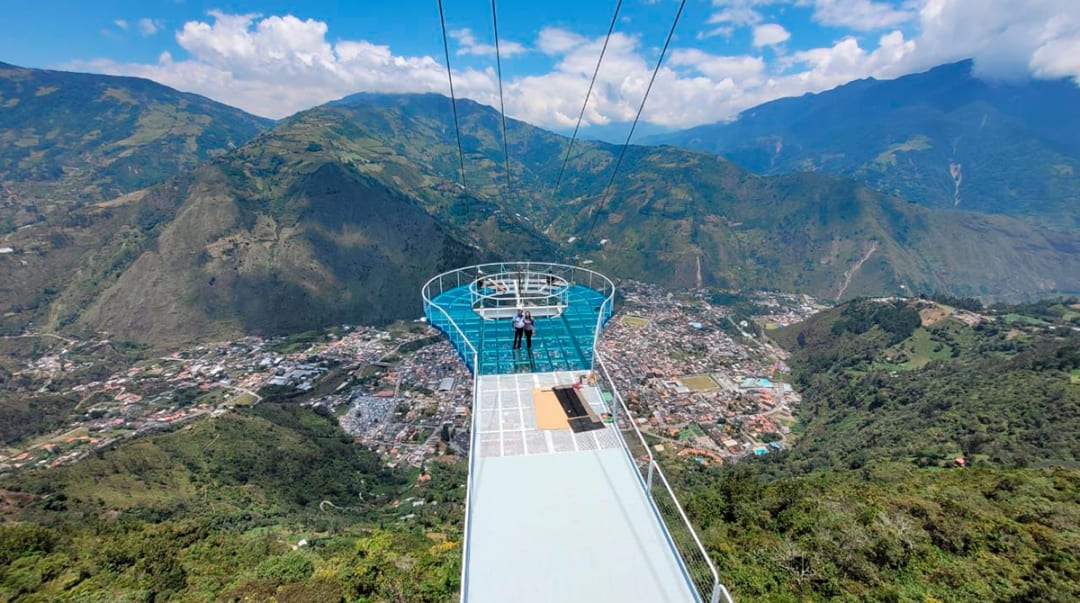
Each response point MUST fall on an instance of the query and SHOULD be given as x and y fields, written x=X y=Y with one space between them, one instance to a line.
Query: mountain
x=67 y=139
x=292 y=231
x=943 y=139
x=615 y=132
x=340 y=213
x=908 y=362
x=684 y=218
x=215 y=511
x=870 y=503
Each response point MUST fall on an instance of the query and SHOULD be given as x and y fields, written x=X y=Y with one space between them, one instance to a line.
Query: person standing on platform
x=519 y=328
x=530 y=328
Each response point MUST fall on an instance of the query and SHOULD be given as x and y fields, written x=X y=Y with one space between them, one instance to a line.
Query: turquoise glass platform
x=561 y=343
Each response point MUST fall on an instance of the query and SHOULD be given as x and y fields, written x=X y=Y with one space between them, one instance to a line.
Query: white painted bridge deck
x=556 y=516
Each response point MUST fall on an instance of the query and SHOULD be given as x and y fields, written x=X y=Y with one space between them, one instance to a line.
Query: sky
x=275 y=57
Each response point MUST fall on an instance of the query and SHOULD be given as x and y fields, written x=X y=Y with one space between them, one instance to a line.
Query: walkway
x=557 y=515
x=561 y=343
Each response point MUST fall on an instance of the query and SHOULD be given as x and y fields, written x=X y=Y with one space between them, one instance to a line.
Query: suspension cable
x=630 y=134
x=453 y=106
x=588 y=93
x=502 y=108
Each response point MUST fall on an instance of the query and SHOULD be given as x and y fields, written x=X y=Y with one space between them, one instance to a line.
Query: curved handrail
x=719 y=590
x=568 y=275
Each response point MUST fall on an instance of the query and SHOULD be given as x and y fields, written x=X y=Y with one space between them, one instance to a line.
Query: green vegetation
x=217 y=511
x=940 y=139
x=870 y=504
x=890 y=532
x=635 y=321
x=103 y=136
x=988 y=393
x=340 y=213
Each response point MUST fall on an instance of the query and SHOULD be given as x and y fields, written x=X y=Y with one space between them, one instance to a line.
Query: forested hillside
x=216 y=512
x=944 y=138
x=936 y=461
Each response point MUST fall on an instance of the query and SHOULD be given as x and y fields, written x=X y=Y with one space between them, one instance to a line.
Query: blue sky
x=275 y=57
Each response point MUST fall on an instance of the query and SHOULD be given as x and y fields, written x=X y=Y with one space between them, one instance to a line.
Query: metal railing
x=441 y=319
x=519 y=290
x=700 y=570
x=562 y=273
x=437 y=317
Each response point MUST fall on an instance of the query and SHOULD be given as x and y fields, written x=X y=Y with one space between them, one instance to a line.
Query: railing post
x=715 y=598
x=648 y=480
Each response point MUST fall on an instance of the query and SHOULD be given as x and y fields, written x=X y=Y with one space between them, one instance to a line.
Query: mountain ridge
x=943 y=138
x=340 y=213
x=75 y=138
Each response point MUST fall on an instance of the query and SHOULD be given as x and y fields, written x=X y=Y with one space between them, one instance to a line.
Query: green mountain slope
x=214 y=512
x=292 y=232
x=340 y=213
x=71 y=138
x=942 y=139
x=891 y=532
x=673 y=215
x=932 y=387
x=869 y=503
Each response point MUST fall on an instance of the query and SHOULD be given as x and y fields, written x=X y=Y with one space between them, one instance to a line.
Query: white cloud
x=1008 y=39
x=860 y=15
x=724 y=31
x=738 y=15
x=277 y=65
x=555 y=41
x=149 y=27
x=122 y=24
x=740 y=68
x=468 y=45
x=770 y=34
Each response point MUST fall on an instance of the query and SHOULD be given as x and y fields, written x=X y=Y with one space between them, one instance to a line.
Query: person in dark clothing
x=530 y=327
x=519 y=328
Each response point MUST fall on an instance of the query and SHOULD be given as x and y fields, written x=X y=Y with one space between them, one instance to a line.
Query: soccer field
x=699 y=383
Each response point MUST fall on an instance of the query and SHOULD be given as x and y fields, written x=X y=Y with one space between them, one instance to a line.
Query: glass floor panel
x=561 y=343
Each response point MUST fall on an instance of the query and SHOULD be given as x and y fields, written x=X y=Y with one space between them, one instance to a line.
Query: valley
x=845 y=325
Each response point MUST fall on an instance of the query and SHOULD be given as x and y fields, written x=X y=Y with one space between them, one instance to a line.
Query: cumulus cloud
x=149 y=27
x=556 y=41
x=1008 y=39
x=122 y=24
x=468 y=45
x=770 y=34
x=277 y=65
x=861 y=15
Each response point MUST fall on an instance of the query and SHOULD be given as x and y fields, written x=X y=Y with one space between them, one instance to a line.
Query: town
x=694 y=369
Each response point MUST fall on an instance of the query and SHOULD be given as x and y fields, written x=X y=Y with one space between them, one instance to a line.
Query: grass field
x=921 y=348
x=1074 y=378
x=699 y=383
x=691 y=431
x=1011 y=318
x=243 y=399
x=635 y=321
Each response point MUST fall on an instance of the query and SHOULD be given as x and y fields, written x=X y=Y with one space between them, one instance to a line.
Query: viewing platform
x=473 y=307
x=564 y=500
